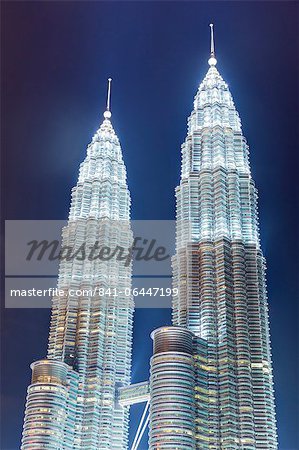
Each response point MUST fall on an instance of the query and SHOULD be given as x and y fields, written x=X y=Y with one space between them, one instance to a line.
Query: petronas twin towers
x=210 y=383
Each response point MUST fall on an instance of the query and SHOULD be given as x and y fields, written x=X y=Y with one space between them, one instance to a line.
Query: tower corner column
x=172 y=383
x=50 y=407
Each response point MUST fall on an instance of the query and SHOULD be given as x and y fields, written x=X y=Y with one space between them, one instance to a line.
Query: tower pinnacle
x=107 y=113
x=212 y=60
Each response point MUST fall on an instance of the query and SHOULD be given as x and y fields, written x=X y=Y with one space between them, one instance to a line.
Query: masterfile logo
x=36 y=251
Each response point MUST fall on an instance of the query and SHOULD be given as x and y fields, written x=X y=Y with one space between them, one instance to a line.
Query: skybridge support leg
x=141 y=427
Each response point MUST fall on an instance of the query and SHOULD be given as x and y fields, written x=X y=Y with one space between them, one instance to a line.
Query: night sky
x=57 y=57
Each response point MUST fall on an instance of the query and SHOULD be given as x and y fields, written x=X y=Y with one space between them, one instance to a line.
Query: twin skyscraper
x=210 y=384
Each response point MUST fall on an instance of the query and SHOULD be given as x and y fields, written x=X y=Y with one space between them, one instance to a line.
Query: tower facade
x=71 y=402
x=219 y=271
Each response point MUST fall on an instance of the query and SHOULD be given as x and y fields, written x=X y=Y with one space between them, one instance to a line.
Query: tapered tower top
x=212 y=60
x=107 y=113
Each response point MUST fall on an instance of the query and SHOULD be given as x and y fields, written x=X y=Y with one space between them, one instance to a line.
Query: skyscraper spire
x=212 y=60
x=107 y=113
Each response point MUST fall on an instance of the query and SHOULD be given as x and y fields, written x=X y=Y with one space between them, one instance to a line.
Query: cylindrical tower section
x=46 y=406
x=172 y=382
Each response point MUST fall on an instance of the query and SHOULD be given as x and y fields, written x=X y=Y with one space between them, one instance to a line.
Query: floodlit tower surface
x=71 y=402
x=219 y=270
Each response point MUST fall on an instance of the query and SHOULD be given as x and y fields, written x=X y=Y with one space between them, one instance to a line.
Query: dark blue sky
x=57 y=57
